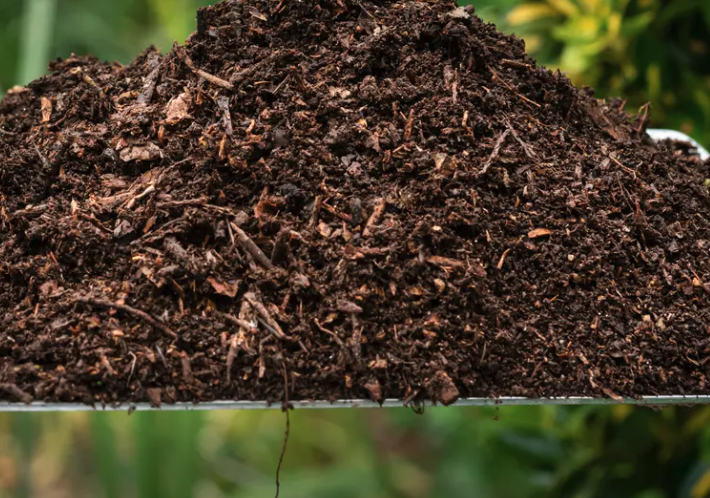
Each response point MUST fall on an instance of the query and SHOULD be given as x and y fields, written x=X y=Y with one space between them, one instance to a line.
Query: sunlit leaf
x=530 y=12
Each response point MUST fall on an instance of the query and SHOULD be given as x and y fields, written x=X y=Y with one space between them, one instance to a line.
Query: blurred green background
x=643 y=50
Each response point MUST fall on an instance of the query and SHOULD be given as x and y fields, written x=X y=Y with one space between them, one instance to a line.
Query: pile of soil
x=364 y=199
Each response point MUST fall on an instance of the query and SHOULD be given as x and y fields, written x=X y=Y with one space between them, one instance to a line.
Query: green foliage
x=516 y=452
x=642 y=50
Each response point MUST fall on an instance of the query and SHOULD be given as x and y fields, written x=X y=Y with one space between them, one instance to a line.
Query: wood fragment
x=131 y=311
x=107 y=365
x=186 y=368
x=496 y=151
x=231 y=356
x=31 y=212
x=612 y=395
x=250 y=246
x=348 y=307
x=200 y=201
x=410 y=124
x=375 y=217
x=264 y=313
x=512 y=63
x=247 y=326
x=502 y=259
x=215 y=80
x=245 y=73
x=317 y=204
x=223 y=103
x=507 y=85
x=15 y=391
x=539 y=232
x=442 y=261
x=151 y=80
x=332 y=210
x=335 y=337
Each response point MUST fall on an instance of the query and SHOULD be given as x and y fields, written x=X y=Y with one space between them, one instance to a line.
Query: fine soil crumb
x=384 y=199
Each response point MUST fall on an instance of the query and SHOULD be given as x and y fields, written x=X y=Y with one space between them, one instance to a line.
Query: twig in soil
x=523 y=97
x=215 y=80
x=528 y=151
x=335 y=337
x=508 y=62
x=155 y=232
x=245 y=73
x=269 y=328
x=149 y=86
x=133 y=367
x=31 y=212
x=410 y=124
x=316 y=212
x=90 y=81
x=250 y=246
x=332 y=210
x=261 y=310
x=200 y=201
x=94 y=221
x=502 y=259
x=131 y=202
x=248 y=327
x=276 y=90
x=625 y=168
x=130 y=310
x=285 y=408
x=375 y=217
x=15 y=391
x=496 y=151
x=186 y=368
x=644 y=108
x=45 y=161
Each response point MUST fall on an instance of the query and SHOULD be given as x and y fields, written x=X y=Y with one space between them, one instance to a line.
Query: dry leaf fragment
x=178 y=108
x=442 y=261
x=539 y=232
x=225 y=289
x=348 y=306
x=258 y=14
x=612 y=395
x=46 y=109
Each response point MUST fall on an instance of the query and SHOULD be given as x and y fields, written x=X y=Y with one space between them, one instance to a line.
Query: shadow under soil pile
x=379 y=199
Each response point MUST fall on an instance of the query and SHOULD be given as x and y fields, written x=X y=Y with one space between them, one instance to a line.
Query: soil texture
x=354 y=199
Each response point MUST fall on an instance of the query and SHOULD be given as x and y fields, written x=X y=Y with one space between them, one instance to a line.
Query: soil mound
x=383 y=199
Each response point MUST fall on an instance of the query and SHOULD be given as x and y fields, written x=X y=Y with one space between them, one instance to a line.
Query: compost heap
x=352 y=198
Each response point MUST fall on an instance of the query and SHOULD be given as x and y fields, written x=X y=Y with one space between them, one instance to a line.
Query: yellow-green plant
x=643 y=50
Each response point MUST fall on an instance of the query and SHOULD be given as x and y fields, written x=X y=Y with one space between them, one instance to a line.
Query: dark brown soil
x=384 y=199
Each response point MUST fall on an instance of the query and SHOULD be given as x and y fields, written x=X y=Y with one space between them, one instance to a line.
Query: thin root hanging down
x=285 y=408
